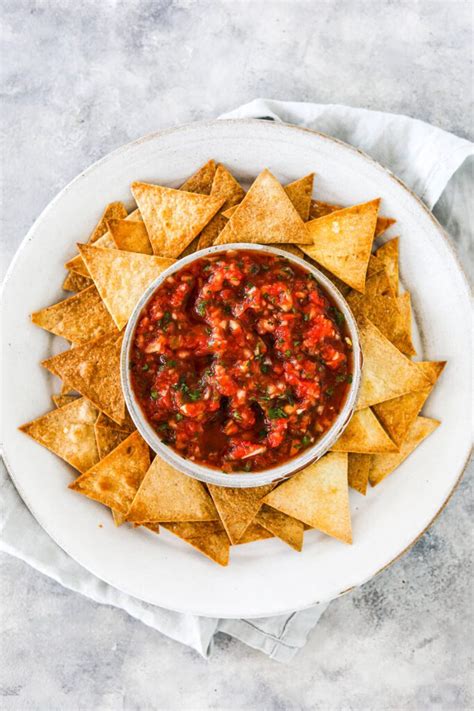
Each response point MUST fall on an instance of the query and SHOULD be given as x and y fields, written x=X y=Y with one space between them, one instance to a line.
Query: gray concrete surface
x=80 y=79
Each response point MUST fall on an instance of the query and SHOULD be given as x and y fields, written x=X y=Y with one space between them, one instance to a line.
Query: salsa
x=240 y=360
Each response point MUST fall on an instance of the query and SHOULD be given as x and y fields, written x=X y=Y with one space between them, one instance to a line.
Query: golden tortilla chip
x=130 y=236
x=224 y=186
x=398 y=415
x=381 y=465
x=266 y=215
x=78 y=319
x=358 y=471
x=342 y=242
x=299 y=192
x=61 y=400
x=121 y=277
x=108 y=438
x=93 y=369
x=364 y=434
x=208 y=537
x=237 y=507
x=68 y=431
x=320 y=209
x=168 y=495
x=173 y=218
x=76 y=282
x=386 y=372
x=319 y=496
x=375 y=265
x=383 y=223
x=127 y=424
x=405 y=344
x=388 y=254
x=253 y=533
x=201 y=180
x=115 y=480
x=287 y=528
x=114 y=210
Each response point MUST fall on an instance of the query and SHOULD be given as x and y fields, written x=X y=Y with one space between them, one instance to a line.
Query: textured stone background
x=78 y=80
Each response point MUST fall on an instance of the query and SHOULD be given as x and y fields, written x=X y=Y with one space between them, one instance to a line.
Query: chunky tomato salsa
x=240 y=361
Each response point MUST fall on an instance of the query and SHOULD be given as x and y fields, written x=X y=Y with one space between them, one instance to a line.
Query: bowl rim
x=273 y=475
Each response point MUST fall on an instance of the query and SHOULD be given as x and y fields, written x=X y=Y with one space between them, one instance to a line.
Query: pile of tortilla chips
x=91 y=429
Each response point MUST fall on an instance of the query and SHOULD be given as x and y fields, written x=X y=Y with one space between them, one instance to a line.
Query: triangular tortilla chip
x=266 y=215
x=226 y=187
x=93 y=369
x=114 y=210
x=168 y=495
x=319 y=496
x=130 y=236
x=253 y=533
x=237 y=507
x=61 y=400
x=320 y=209
x=78 y=319
x=76 y=264
x=208 y=537
x=114 y=480
x=386 y=372
x=108 y=438
x=173 y=218
x=299 y=192
x=388 y=254
x=375 y=265
x=358 y=471
x=76 y=282
x=127 y=424
x=405 y=342
x=68 y=431
x=287 y=528
x=398 y=415
x=364 y=434
x=381 y=465
x=342 y=242
x=201 y=180
x=121 y=277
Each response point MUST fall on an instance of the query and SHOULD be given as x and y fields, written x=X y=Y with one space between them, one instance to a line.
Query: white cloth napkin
x=424 y=157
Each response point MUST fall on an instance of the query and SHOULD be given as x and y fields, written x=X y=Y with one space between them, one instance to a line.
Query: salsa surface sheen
x=240 y=361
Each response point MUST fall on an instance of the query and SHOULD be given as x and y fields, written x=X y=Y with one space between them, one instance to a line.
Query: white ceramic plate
x=268 y=577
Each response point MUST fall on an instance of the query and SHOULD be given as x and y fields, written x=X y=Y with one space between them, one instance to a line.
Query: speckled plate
x=264 y=578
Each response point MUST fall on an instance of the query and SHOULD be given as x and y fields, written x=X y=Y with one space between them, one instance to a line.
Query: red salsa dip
x=240 y=361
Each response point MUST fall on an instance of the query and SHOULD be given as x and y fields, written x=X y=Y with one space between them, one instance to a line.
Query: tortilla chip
x=68 y=431
x=226 y=187
x=168 y=495
x=76 y=282
x=388 y=254
x=358 y=471
x=61 y=400
x=127 y=425
x=201 y=180
x=381 y=465
x=78 y=319
x=121 y=277
x=292 y=249
x=93 y=369
x=173 y=218
x=114 y=480
x=320 y=209
x=319 y=496
x=342 y=242
x=108 y=438
x=237 y=507
x=266 y=215
x=208 y=537
x=405 y=342
x=364 y=434
x=253 y=533
x=383 y=223
x=76 y=264
x=130 y=236
x=299 y=192
x=386 y=372
x=287 y=528
x=114 y=210
x=398 y=415
x=375 y=265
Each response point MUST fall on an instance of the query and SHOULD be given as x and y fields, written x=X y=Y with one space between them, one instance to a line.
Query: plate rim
x=209 y=124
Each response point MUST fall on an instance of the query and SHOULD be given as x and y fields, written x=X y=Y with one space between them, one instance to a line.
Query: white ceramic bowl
x=241 y=479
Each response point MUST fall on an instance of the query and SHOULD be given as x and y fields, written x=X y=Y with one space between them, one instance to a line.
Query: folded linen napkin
x=424 y=157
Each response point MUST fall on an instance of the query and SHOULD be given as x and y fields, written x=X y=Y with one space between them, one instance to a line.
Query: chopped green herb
x=341 y=378
x=179 y=417
x=329 y=392
x=254 y=269
x=349 y=378
x=248 y=467
x=145 y=367
x=201 y=308
x=288 y=353
x=165 y=319
x=305 y=317
x=236 y=415
x=264 y=368
x=306 y=441
x=276 y=413
x=153 y=394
